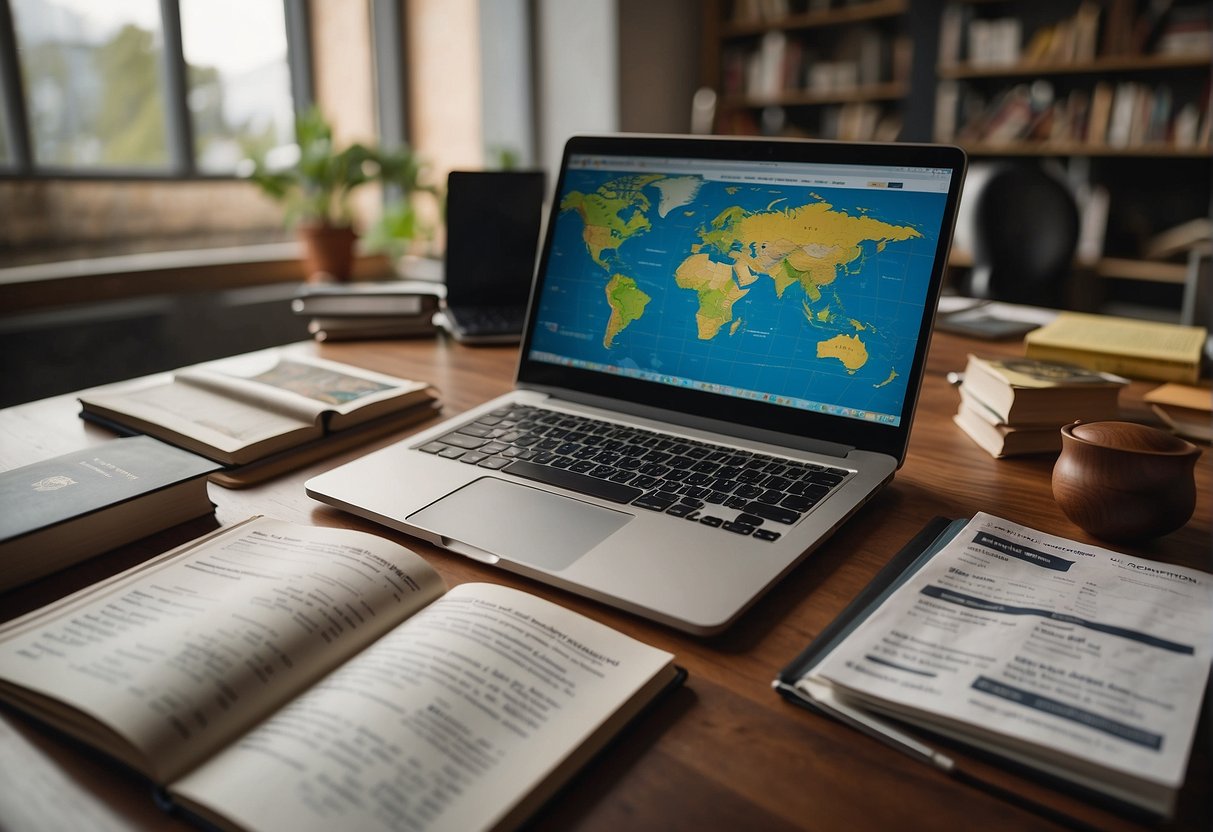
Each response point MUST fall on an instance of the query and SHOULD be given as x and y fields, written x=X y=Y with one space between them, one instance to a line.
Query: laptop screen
x=804 y=285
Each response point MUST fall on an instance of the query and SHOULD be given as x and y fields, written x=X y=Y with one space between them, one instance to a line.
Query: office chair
x=1025 y=232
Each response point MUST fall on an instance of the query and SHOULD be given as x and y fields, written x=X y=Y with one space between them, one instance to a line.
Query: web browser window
x=799 y=285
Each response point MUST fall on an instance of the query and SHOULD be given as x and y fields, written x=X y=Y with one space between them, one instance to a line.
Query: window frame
x=182 y=164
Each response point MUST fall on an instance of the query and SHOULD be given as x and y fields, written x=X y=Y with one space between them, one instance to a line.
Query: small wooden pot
x=328 y=252
x=1122 y=481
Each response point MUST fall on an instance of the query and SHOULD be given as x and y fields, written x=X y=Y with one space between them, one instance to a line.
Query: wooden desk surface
x=725 y=752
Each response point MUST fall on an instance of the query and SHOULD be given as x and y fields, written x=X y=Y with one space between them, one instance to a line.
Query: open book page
x=178 y=658
x=197 y=417
x=1092 y=659
x=302 y=387
x=448 y=722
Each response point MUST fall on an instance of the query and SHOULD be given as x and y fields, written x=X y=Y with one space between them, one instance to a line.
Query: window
x=149 y=88
x=239 y=84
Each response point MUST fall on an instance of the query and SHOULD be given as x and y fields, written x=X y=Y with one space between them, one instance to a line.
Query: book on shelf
x=1187 y=30
x=1125 y=346
x=1100 y=113
x=1185 y=408
x=240 y=410
x=278 y=676
x=1118 y=27
x=1077 y=664
x=60 y=511
x=998 y=438
x=1031 y=392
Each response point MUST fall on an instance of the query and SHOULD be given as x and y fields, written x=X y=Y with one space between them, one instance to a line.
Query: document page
x=1035 y=642
x=184 y=656
x=447 y=722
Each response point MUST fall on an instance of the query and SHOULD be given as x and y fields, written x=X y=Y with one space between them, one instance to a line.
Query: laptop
x=492 y=223
x=720 y=365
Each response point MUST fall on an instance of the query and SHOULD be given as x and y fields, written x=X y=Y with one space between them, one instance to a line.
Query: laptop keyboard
x=694 y=480
x=489 y=320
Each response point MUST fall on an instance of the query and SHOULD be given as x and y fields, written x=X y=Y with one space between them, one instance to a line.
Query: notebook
x=492 y=225
x=722 y=356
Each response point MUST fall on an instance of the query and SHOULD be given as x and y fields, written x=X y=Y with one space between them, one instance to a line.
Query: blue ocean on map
x=770 y=344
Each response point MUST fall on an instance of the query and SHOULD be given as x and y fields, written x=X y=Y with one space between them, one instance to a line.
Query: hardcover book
x=244 y=409
x=60 y=511
x=1000 y=439
x=370 y=327
x=417 y=299
x=1186 y=409
x=1129 y=347
x=1034 y=392
x=277 y=676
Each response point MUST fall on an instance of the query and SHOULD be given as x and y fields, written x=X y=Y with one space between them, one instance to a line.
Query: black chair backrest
x=1025 y=234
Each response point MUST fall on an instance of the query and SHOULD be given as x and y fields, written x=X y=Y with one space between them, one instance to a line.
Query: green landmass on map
x=627 y=304
x=613 y=214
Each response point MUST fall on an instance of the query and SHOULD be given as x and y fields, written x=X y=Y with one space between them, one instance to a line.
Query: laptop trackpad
x=519 y=523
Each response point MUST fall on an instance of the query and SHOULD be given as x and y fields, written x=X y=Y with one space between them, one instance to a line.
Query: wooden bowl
x=1122 y=481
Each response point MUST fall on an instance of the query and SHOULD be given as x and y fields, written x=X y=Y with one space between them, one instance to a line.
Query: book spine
x=1122 y=365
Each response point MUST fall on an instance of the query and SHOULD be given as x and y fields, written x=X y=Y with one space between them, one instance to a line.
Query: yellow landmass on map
x=627 y=304
x=811 y=244
x=848 y=349
x=612 y=214
x=733 y=329
x=713 y=283
x=892 y=377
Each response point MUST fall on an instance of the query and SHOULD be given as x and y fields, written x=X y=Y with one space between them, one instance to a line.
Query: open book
x=1084 y=665
x=278 y=676
x=247 y=408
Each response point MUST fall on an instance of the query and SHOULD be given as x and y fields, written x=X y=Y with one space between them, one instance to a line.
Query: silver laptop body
x=723 y=352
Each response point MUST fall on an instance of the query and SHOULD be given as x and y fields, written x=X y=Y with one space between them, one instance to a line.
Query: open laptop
x=722 y=356
x=492 y=231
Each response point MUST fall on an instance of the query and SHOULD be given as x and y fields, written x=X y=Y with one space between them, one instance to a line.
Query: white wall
x=505 y=74
x=578 y=73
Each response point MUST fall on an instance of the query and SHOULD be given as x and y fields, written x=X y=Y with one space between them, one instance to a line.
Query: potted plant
x=315 y=187
x=401 y=223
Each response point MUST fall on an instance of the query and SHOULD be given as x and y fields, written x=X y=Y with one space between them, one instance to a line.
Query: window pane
x=92 y=81
x=239 y=79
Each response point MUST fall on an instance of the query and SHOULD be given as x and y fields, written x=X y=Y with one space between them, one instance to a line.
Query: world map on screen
x=809 y=297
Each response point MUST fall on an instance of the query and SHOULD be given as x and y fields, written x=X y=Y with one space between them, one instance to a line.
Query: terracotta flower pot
x=328 y=252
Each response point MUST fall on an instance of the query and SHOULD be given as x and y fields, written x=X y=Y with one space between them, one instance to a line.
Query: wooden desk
x=725 y=752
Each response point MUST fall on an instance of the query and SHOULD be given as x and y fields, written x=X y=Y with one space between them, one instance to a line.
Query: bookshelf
x=814 y=68
x=1113 y=94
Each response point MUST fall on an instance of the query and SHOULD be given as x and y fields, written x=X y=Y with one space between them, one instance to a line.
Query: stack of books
x=1014 y=406
x=360 y=311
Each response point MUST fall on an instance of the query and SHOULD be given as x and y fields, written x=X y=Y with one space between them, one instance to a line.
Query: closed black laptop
x=492 y=221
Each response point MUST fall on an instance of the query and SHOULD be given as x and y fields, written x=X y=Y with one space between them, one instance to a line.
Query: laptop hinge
x=677 y=419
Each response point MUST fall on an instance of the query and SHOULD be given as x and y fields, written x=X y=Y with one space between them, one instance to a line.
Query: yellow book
x=1125 y=346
